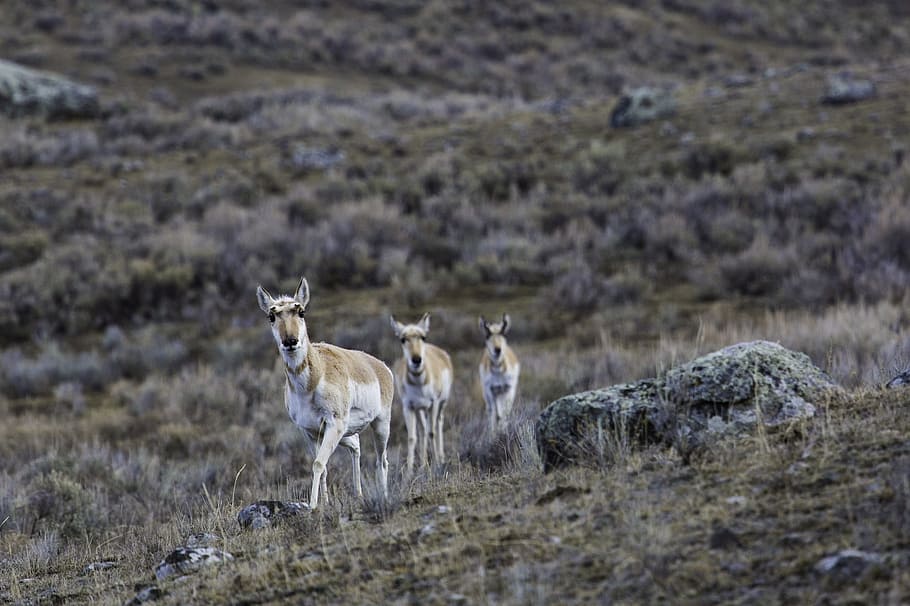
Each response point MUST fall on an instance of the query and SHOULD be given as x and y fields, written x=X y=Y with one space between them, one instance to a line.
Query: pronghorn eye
x=403 y=340
x=271 y=317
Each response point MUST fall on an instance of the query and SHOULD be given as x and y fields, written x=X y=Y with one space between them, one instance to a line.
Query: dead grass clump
x=760 y=270
x=22 y=376
x=513 y=448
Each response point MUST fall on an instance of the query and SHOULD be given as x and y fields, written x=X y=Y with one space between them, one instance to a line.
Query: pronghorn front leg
x=491 y=410
x=410 y=421
x=501 y=410
x=330 y=439
x=422 y=416
x=352 y=443
x=442 y=415
x=434 y=417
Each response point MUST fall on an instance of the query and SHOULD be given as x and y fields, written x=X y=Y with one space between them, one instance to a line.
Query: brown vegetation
x=452 y=157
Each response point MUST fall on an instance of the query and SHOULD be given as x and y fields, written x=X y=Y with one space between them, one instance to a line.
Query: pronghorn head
x=495 y=335
x=286 y=317
x=413 y=339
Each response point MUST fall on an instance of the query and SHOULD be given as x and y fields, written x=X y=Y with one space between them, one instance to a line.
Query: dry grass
x=412 y=157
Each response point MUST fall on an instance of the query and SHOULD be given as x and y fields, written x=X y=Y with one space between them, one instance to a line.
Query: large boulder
x=25 y=91
x=727 y=393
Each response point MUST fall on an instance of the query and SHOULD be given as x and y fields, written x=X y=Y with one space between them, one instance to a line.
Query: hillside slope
x=456 y=158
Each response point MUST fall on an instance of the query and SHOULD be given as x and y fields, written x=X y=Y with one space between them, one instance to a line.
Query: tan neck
x=312 y=367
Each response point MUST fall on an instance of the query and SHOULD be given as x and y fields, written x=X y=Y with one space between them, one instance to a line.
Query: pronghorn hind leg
x=410 y=421
x=330 y=439
x=381 y=427
x=352 y=443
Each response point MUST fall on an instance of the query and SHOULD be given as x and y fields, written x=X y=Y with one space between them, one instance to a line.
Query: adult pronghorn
x=423 y=379
x=499 y=370
x=331 y=393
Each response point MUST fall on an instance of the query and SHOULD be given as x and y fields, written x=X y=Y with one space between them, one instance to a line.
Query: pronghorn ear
x=396 y=326
x=302 y=294
x=505 y=324
x=484 y=326
x=424 y=323
x=265 y=299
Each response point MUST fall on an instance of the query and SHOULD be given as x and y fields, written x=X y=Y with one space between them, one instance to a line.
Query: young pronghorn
x=423 y=379
x=499 y=370
x=329 y=392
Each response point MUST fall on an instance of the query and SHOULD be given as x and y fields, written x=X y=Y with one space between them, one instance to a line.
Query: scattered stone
x=264 y=514
x=98 y=566
x=185 y=560
x=146 y=594
x=725 y=394
x=900 y=380
x=308 y=159
x=201 y=539
x=723 y=538
x=737 y=500
x=848 y=565
x=25 y=91
x=844 y=89
x=427 y=530
x=642 y=105
x=738 y=81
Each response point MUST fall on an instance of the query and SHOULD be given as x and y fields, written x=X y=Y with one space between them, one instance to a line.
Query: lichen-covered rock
x=263 y=514
x=25 y=91
x=185 y=560
x=642 y=105
x=731 y=390
x=726 y=393
x=564 y=426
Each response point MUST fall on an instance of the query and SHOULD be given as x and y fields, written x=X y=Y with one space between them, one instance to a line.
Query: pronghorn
x=329 y=392
x=499 y=370
x=423 y=379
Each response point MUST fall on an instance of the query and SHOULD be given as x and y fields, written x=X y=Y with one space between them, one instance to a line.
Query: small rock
x=642 y=105
x=308 y=159
x=263 y=514
x=146 y=594
x=96 y=566
x=427 y=530
x=723 y=538
x=738 y=81
x=899 y=380
x=846 y=89
x=737 y=500
x=184 y=560
x=847 y=564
